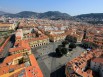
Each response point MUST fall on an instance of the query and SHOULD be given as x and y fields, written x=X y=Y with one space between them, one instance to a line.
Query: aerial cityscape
x=42 y=38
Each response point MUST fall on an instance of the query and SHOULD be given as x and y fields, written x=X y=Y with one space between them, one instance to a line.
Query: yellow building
x=57 y=37
x=7 y=26
x=20 y=47
x=19 y=65
x=35 y=42
x=11 y=62
x=19 y=35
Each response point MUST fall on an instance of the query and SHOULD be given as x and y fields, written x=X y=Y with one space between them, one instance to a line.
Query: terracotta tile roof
x=38 y=38
x=58 y=35
x=79 y=63
x=10 y=58
x=34 y=67
x=30 y=71
x=98 y=60
x=5 y=68
x=20 y=46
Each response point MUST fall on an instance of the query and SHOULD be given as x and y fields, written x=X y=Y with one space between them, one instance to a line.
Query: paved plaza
x=51 y=65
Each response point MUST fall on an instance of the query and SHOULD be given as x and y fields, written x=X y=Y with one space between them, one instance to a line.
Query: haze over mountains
x=1 y=13
x=90 y=18
x=49 y=14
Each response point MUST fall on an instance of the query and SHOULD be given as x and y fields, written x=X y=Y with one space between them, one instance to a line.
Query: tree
x=60 y=46
x=58 y=52
x=72 y=45
x=57 y=49
x=70 y=49
x=64 y=51
x=65 y=43
x=90 y=45
x=71 y=39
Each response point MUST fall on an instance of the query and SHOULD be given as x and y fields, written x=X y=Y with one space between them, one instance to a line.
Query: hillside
x=49 y=15
x=94 y=18
x=1 y=13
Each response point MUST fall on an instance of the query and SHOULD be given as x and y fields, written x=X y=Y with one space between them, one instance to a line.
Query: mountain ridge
x=49 y=15
x=93 y=18
x=2 y=12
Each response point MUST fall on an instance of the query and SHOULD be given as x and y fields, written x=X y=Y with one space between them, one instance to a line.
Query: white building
x=19 y=34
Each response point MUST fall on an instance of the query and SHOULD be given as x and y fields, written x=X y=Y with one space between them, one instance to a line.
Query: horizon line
x=48 y=11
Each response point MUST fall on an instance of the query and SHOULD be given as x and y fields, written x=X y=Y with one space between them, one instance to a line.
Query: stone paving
x=49 y=63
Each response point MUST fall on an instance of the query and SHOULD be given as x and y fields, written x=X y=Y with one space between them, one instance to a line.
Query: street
x=5 y=52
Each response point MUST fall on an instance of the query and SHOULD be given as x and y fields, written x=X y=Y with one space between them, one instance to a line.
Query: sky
x=72 y=7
